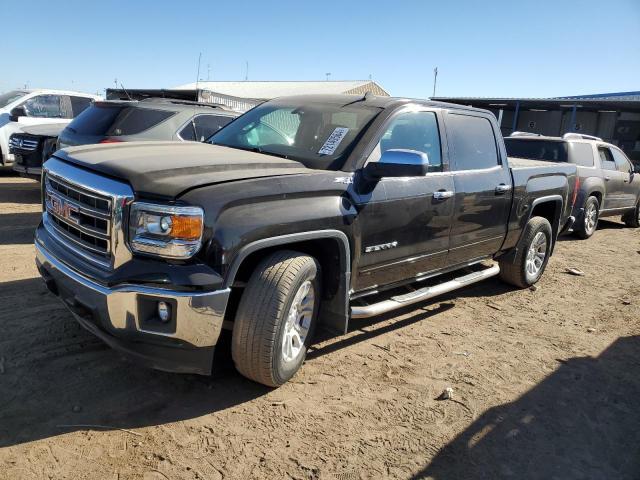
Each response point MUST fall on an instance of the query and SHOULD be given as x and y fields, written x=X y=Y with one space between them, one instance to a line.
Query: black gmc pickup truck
x=302 y=213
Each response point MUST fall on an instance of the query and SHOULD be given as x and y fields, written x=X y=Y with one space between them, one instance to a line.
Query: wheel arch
x=549 y=207
x=332 y=250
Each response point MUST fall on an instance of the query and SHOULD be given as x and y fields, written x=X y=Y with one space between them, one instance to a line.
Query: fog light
x=164 y=311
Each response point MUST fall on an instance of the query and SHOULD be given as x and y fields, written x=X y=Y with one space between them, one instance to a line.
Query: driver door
x=404 y=227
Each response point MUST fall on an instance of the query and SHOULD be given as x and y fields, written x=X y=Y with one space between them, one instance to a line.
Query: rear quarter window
x=582 y=154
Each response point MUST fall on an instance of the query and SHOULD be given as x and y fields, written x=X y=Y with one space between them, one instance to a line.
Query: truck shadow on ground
x=55 y=377
x=24 y=193
x=18 y=228
x=581 y=422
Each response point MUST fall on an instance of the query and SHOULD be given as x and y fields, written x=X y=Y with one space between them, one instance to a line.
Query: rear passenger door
x=482 y=184
x=202 y=127
x=613 y=180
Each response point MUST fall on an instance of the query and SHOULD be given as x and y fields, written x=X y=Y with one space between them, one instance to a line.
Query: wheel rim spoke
x=536 y=254
x=298 y=322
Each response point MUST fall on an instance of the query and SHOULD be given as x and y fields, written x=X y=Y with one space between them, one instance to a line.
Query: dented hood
x=166 y=169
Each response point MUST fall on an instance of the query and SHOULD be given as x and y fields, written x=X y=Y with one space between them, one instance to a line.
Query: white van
x=19 y=108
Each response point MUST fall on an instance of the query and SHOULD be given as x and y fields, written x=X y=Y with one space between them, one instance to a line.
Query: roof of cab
x=372 y=101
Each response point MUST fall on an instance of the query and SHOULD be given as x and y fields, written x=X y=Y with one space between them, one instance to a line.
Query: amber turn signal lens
x=186 y=227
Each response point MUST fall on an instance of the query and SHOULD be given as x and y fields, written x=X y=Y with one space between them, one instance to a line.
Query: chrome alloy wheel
x=590 y=218
x=536 y=255
x=298 y=322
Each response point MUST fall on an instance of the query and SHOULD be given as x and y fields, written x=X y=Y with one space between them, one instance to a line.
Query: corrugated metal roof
x=271 y=89
x=622 y=96
x=625 y=96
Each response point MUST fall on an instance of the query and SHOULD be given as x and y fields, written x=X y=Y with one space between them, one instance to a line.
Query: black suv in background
x=609 y=184
x=112 y=121
x=32 y=147
x=115 y=121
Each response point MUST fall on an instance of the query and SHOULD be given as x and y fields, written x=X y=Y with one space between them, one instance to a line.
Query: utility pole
x=208 y=72
x=246 y=72
x=435 y=81
x=115 y=81
x=328 y=75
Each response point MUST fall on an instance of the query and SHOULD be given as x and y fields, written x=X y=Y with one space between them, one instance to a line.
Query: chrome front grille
x=85 y=211
x=79 y=215
x=23 y=143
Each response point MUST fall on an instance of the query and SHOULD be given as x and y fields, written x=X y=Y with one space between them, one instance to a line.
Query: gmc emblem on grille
x=63 y=209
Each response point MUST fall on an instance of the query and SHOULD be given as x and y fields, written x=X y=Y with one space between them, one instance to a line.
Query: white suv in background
x=21 y=108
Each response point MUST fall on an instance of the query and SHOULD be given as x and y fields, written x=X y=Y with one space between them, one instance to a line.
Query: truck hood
x=166 y=169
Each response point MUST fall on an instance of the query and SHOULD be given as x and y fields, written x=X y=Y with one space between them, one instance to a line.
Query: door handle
x=442 y=194
x=607 y=178
x=502 y=188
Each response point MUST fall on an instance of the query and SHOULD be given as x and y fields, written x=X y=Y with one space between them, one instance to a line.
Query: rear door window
x=472 y=142
x=205 y=126
x=606 y=158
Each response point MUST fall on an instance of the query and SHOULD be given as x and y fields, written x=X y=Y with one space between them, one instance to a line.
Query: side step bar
x=422 y=294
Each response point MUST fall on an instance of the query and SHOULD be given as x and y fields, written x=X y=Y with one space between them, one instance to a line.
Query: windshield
x=10 y=97
x=319 y=135
x=545 y=150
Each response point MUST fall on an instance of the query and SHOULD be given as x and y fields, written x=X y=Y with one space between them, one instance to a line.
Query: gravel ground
x=545 y=384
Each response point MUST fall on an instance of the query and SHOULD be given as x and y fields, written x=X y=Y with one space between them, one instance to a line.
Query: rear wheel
x=276 y=318
x=589 y=223
x=632 y=219
x=534 y=249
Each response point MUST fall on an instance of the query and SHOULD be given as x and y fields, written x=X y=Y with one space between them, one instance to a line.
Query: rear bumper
x=125 y=317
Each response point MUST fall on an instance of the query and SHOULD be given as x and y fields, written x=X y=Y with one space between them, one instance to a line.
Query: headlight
x=166 y=231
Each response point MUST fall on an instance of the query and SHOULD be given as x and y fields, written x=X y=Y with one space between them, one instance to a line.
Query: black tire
x=632 y=219
x=584 y=229
x=516 y=273
x=260 y=326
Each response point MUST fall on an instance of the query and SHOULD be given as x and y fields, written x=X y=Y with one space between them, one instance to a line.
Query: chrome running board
x=422 y=294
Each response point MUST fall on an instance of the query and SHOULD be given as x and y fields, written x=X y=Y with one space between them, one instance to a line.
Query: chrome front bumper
x=125 y=317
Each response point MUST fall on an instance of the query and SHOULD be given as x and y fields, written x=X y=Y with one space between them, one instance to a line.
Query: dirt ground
x=546 y=384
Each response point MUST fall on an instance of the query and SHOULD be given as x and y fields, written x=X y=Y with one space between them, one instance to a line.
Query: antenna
x=125 y=91
x=435 y=80
x=193 y=118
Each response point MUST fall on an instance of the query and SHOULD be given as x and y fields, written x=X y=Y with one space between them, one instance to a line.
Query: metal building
x=243 y=95
x=614 y=117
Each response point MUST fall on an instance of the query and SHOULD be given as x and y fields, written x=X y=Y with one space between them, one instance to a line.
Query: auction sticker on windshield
x=333 y=141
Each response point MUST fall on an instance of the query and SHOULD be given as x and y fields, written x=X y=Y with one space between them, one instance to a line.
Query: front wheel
x=533 y=253
x=276 y=318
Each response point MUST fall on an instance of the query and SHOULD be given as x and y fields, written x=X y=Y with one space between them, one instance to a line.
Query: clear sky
x=481 y=48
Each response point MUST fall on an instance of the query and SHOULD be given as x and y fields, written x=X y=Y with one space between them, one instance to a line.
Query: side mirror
x=399 y=163
x=635 y=167
x=16 y=113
